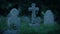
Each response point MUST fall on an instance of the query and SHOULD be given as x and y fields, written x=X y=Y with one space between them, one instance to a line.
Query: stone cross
x=34 y=10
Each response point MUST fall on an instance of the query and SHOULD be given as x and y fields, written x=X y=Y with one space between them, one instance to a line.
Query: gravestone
x=13 y=21
x=35 y=21
x=13 y=18
x=34 y=10
x=26 y=19
x=48 y=17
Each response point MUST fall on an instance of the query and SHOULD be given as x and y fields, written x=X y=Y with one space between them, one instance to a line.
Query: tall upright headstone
x=48 y=17
x=14 y=21
x=34 y=10
x=13 y=18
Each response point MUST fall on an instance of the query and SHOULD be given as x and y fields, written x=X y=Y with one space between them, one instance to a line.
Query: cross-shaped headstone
x=34 y=10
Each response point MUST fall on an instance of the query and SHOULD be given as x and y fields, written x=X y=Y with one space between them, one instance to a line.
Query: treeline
x=54 y=5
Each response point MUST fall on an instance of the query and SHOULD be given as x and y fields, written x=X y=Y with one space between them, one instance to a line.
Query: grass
x=44 y=29
x=3 y=24
x=25 y=29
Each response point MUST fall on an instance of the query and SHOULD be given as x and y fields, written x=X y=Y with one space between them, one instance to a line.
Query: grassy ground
x=25 y=29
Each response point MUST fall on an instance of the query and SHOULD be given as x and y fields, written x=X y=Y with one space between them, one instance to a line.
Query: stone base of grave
x=35 y=26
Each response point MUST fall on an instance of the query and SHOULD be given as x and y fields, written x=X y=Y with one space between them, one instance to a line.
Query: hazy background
x=54 y=5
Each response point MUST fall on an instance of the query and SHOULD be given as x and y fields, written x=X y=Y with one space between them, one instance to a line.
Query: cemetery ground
x=25 y=29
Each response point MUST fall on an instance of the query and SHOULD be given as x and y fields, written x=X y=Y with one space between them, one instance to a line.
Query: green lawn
x=25 y=29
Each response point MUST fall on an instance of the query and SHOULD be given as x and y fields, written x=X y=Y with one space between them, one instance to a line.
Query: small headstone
x=26 y=19
x=48 y=17
x=38 y=20
x=34 y=10
x=13 y=18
